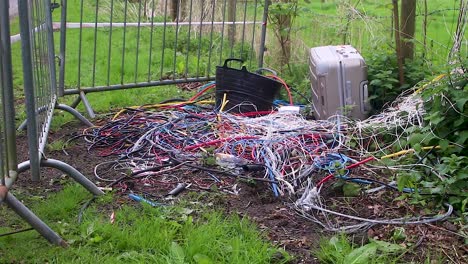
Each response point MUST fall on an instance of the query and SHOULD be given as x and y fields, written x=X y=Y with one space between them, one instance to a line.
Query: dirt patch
x=255 y=200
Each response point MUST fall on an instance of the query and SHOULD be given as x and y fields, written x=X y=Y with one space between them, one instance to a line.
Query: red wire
x=329 y=176
x=285 y=87
x=202 y=92
x=257 y=113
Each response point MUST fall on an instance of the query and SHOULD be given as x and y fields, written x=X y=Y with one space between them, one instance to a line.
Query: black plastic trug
x=246 y=91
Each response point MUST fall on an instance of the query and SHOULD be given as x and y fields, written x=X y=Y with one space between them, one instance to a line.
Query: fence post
x=8 y=103
x=231 y=19
x=263 y=34
x=8 y=155
x=28 y=82
x=63 y=41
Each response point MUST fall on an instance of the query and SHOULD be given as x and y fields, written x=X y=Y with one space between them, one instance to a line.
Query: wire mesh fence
x=8 y=159
x=9 y=168
x=39 y=71
x=113 y=44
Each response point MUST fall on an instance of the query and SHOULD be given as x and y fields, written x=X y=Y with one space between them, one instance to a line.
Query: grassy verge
x=141 y=234
x=367 y=26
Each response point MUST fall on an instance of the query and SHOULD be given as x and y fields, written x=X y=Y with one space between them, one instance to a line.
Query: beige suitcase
x=338 y=76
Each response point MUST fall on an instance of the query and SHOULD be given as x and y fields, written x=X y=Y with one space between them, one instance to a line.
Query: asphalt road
x=13 y=8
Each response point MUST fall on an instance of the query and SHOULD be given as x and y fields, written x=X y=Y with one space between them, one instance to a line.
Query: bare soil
x=274 y=217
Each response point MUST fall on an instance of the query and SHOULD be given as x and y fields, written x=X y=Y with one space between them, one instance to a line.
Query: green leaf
x=388 y=247
x=460 y=102
x=376 y=82
x=361 y=255
x=177 y=253
x=403 y=180
x=462 y=137
x=416 y=138
x=337 y=243
x=96 y=239
x=202 y=259
x=463 y=205
x=351 y=189
x=399 y=234
x=444 y=144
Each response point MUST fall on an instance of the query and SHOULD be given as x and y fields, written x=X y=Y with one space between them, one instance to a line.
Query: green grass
x=141 y=234
x=321 y=24
x=105 y=57
x=117 y=56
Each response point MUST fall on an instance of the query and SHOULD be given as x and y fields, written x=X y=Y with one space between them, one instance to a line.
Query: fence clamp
x=59 y=60
x=53 y=6
x=3 y=192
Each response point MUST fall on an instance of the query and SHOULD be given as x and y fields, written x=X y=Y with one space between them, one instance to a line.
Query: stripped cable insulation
x=152 y=143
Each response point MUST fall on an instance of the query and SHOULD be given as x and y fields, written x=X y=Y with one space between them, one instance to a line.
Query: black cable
x=221 y=171
x=371 y=180
x=135 y=173
x=85 y=205
x=16 y=232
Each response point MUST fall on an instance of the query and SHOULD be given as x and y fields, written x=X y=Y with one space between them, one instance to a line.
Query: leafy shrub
x=447 y=128
x=384 y=85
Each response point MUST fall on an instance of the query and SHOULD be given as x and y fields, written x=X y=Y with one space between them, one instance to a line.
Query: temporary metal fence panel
x=39 y=82
x=39 y=74
x=8 y=160
x=117 y=44
x=9 y=167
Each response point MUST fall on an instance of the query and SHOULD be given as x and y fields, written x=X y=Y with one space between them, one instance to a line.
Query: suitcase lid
x=325 y=56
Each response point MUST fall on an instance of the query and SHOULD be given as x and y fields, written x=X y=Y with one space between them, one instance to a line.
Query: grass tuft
x=139 y=234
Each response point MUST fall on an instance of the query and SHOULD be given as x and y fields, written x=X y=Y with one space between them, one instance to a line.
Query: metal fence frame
x=9 y=168
x=39 y=81
x=41 y=91
x=227 y=24
x=41 y=100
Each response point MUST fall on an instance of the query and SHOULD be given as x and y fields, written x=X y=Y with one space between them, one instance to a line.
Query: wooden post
x=408 y=25
x=398 y=42
x=231 y=18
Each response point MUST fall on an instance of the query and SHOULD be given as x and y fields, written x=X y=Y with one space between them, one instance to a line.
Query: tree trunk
x=285 y=36
x=183 y=8
x=407 y=26
x=398 y=43
x=424 y=30
x=231 y=18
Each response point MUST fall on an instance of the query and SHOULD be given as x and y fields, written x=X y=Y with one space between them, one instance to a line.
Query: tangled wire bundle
x=290 y=153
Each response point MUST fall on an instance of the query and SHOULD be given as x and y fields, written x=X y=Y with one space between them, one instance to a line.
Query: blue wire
x=204 y=86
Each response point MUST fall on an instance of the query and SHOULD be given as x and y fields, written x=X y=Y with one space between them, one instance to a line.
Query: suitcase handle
x=364 y=97
x=243 y=68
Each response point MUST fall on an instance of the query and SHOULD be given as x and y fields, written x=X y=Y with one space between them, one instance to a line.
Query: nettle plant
x=446 y=129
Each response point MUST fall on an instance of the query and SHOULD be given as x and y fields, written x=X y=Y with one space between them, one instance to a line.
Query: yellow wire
x=223 y=105
x=406 y=151
x=437 y=78
x=160 y=105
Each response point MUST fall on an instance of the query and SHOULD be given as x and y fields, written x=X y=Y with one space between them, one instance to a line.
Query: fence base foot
x=63 y=107
x=82 y=98
x=74 y=113
x=87 y=105
x=67 y=169
x=21 y=210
